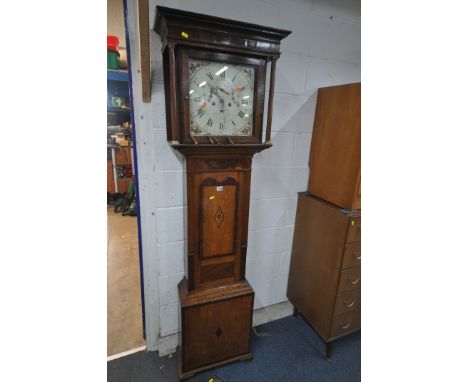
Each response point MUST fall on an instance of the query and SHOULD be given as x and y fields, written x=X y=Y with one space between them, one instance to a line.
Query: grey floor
x=290 y=352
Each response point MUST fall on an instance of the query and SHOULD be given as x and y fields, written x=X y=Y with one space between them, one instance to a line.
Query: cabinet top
x=344 y=211
x=181 y=27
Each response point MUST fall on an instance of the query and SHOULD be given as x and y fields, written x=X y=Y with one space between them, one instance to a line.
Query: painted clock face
x=221 y=98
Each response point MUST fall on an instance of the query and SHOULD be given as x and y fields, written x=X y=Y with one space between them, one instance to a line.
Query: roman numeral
x=209 y=75
x=241 y=89
x=245 y=102
x=200 y=113
x=241 y=114
x=233 y=123
x=210 y=122
x=221 y=126
x=233 y=78
x=223 y=74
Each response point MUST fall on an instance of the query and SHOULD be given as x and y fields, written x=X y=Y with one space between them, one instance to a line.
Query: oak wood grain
x=352 y=255
x=321 y=272
x=346 y=323
x=216 y=325
x=335 y=154
x=354 y=230
x=347 y=301
x=349 y=279
x=316 y=256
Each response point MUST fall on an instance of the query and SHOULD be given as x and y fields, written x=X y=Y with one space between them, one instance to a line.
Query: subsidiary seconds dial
x=221 y=98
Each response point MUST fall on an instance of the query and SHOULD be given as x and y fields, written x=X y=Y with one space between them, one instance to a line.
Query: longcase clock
x=214 y=77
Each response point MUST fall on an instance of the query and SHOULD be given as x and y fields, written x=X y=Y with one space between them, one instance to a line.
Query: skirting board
x=272 y=312
x=168 y=344
x=125 y=353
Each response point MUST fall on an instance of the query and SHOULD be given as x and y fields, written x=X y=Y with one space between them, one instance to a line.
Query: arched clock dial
x=221 y=98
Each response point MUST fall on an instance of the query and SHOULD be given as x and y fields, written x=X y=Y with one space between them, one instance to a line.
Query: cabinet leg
x=328 y=350
x=295 y=311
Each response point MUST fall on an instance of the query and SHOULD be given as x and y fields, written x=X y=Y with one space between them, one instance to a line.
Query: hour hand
x=221 y=103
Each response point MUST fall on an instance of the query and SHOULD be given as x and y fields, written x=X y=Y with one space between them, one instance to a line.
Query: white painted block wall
x=323 y=50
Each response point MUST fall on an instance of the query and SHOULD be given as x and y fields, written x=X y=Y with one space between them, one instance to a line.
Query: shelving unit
x=117 y=86
x=117 y=75
x=120 y=156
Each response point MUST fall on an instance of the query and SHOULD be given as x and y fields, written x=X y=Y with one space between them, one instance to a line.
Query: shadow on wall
x=297 y=116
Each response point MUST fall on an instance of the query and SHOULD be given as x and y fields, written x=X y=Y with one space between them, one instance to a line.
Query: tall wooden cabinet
x=335 y=152
x=325 y=271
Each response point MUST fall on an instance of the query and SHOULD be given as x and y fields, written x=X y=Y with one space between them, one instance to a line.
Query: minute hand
x=224 y=91
x=222 y=110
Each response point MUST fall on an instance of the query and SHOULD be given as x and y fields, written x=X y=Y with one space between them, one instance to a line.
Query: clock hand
x=213 y=90
x=224 y=91
x=224 y=119
x=221 y=101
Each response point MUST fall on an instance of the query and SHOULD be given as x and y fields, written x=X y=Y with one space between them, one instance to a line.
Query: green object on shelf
x=112 y=59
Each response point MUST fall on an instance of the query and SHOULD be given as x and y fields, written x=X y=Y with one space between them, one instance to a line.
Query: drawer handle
x=218 y=332
x=356 y=256
x=354 y=282
x=349 y=305
x=346 y=326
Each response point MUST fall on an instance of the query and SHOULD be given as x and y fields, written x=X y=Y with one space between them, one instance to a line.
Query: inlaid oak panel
x=219 y=202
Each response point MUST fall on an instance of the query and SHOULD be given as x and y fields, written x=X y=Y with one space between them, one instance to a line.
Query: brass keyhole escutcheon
x=218 y=332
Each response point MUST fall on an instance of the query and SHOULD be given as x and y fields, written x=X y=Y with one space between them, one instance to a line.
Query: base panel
x=216 y=327
x=189 y=374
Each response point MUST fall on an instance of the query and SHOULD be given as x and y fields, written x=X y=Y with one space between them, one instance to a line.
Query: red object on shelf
x=112 y=42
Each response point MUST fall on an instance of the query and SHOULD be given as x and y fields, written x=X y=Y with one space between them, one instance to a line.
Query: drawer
x=345 y=323
x=347 y=302
x=354 y=230
x=350 y=279
x=352 y=255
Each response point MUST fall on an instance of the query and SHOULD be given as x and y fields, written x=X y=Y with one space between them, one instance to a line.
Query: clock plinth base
x=183 y=376
x=216 y=326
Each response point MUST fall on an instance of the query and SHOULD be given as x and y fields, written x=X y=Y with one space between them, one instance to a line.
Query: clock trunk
x=218 y=191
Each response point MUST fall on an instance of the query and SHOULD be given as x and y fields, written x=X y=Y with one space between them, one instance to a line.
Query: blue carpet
x=292 y=352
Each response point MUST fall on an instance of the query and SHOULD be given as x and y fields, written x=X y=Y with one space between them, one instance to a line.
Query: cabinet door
x=217 y=331
x=219 y=221
x=219 y=204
